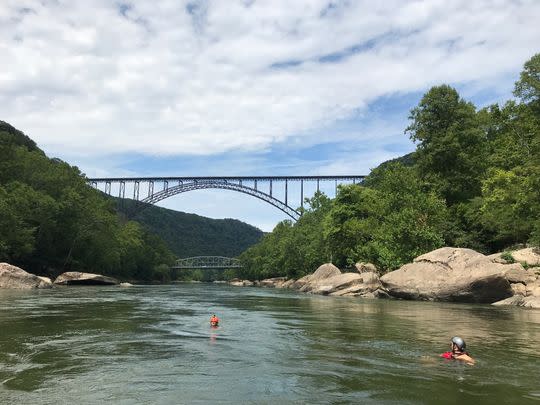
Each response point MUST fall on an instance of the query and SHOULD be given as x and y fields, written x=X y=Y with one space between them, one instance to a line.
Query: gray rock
x=533 y=289
x=47 y=280
x=531 y=302
x=515 y=300
x=497 y=258
x=126 y=285
x=15 y=277
x=288 y=284
x=515 y=273
x=518 y=289
x=79 y=278
x=365 y=267
x=531 y=256
x=520 y=301
x=332 y=284
x=450 y=274
x=274 y=282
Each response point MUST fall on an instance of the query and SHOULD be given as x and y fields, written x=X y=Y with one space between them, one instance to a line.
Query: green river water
x=153 y=345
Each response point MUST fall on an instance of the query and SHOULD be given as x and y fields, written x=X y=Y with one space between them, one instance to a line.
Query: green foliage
x=507 y=257
x=511 y=202
x=473 y=181
x=290 y=250
x=162 y=273
x=388 y=223
x=451 y=152
x=190 y=235
x=528 y=86
x=51 y=221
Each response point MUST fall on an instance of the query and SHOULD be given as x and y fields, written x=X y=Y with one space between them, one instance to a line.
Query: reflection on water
x=154 y=345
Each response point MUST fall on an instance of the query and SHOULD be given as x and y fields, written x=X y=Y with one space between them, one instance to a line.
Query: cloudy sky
x=170 y=87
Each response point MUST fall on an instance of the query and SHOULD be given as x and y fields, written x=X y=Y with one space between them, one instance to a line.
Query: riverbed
x=153 y=345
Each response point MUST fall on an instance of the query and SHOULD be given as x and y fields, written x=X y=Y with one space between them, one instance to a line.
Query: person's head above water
x=458 y=344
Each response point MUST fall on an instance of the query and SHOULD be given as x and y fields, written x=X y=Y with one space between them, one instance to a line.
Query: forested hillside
x=51 y=221
x=473 y=181
x=192 y=235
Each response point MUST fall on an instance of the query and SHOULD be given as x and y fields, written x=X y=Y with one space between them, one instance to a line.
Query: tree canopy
x=473 y=181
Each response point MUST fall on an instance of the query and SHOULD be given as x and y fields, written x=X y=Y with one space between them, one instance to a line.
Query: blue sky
x=246 y=87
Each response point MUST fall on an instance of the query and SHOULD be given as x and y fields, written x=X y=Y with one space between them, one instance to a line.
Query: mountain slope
x=193 y=235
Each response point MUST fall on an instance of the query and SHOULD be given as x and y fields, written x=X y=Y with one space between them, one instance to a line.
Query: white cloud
x=96 y=77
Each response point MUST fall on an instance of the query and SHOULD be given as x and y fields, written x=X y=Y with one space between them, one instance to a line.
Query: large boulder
x=451 y=274
x=15 y=277
x=368 y=286
x=78 y=278
x=531 y=256
x=324 y=271
x=331 y=284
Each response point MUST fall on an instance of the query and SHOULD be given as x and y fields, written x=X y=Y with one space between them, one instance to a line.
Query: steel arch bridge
x=144 y=189
x=207 y=262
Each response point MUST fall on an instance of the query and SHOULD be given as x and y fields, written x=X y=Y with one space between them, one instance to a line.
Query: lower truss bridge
x=207 y=262
x=274 y=190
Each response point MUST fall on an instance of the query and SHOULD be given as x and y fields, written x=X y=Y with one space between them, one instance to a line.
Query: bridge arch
x=125 y=185
x=223 y=185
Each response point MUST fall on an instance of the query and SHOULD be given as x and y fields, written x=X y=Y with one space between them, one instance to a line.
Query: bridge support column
x=108 y=187
x=270 y=188
x=136 y=191
x=302 y=193
x=150 y=188
x=122 y=190
x=286 y=191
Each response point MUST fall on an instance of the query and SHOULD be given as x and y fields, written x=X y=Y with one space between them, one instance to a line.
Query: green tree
x=451 y=146
x=527 y=88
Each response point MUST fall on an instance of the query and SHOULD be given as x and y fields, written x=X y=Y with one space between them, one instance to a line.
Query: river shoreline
x=446 y=275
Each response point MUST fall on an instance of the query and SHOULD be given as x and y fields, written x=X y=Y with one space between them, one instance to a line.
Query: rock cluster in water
x=16 y=278
x=445 y=274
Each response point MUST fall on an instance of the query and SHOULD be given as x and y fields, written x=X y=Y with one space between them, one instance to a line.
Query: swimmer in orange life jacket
x=458 y=351
x=214 y=320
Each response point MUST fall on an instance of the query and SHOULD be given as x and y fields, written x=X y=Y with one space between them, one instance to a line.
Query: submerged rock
x=125 y=285
x=452 y=274
x=78 y=278
x=15 y=277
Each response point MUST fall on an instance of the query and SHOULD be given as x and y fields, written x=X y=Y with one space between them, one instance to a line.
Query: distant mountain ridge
x=190 y=235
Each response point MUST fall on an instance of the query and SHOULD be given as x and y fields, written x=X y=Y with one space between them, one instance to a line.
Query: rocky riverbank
x=446 y=274
x=16 y=278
